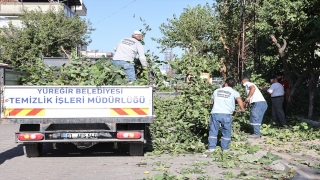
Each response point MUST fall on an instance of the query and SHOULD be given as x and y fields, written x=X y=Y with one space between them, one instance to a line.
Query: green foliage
x=296 y=22
x=281 y=16
x=80 y=70
x=295 y=25
x=228 y=174
x=76 y=72
x=228 y=13
x=253 y=149
x=164 y=176
x=185 y=128
x=41 y=34
x=152 y=74
x=182 y=122
x=195 y=170
x=269 y=158
x=259 y=81
x=195 y=31
x=170 y=131
x=300 y=131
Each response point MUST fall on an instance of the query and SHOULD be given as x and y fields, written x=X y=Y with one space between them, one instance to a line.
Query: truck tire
x=136 y=149
x=32 y=150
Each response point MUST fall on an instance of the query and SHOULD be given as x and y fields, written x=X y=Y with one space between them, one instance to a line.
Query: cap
x=137 y=32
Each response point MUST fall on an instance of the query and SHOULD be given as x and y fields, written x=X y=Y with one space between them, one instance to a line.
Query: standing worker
x=277 y=91
x=126 y=51
x=223 y=100
x=258 y=106
x=286 y=86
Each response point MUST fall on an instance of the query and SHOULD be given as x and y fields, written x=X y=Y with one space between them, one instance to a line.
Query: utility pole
x=168 y=58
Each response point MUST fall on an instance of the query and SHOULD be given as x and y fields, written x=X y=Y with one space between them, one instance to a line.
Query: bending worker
x=126 y=51
x=258 y=106
x=223 y=100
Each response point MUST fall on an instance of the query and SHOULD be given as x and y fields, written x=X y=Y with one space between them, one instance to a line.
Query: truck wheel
x=32 y=150
x=136 y=149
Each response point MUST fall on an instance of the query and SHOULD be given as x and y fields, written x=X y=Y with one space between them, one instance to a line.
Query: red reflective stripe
x=15 y=111
x=38 y=137
x=33 y=112
x=120 y=111
x=136 y=135
x=139 y=111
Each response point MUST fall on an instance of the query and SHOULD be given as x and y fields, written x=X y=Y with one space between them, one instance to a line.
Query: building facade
x=10 y=10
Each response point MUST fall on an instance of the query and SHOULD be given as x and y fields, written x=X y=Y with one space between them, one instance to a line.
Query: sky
x=117 y=19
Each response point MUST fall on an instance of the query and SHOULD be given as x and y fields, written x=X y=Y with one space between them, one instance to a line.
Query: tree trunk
x=298 y=82
x=312 y=87
x=314 y=77
x=281 y=51
x=223 y=69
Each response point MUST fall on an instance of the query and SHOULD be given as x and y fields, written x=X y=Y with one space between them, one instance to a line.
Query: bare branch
x=284 y=45
x=66 y=53
x=274 y=40
x=225 y=45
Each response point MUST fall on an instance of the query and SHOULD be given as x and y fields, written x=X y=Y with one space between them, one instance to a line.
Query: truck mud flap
x=136 y=149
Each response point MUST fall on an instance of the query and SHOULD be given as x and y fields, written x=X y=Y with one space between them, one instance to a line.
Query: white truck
x=81 y=115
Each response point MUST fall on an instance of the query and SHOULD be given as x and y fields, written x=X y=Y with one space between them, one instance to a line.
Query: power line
x=115 y=12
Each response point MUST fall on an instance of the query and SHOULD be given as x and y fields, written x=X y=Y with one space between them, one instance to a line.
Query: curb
x=311 y=122
x=298 y=173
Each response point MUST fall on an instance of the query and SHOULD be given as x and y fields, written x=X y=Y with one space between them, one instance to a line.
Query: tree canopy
x=42 y=34
x=242 y=38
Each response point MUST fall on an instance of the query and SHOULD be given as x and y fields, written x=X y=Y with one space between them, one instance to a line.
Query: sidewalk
x=304 y=161
x=291 y=163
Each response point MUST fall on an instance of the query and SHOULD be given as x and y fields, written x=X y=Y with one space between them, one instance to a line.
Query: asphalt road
x=102 y=161
x=66 y=162
x=98 y=162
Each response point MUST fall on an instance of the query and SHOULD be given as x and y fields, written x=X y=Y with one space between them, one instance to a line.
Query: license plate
x=80 y=135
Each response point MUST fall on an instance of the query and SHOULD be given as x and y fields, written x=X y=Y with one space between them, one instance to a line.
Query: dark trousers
x=285 y=106
x=277 y=110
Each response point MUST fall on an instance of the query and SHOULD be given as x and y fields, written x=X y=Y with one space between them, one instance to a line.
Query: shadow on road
x=11 y=153
x=70 y=150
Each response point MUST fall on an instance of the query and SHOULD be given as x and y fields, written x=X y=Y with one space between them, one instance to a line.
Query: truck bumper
x=66 y=137
x=146 y=119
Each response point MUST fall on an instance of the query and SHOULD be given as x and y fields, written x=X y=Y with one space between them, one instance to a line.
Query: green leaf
x=158 y=177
